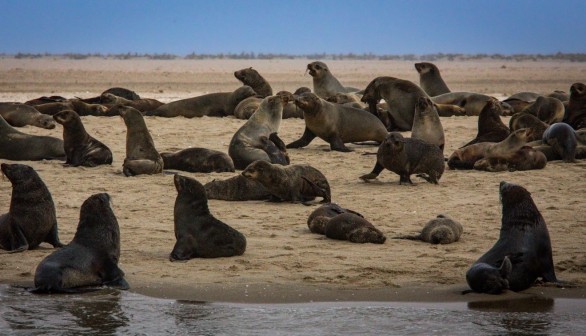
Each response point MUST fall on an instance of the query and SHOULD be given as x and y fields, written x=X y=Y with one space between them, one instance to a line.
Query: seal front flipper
x=184 y=249
x=336 y=144
x=305 y=139
x=113 y=276
x=378 y=168
x=18 y=242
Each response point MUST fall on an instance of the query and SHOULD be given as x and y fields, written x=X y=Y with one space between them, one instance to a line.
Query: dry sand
x=285 y=262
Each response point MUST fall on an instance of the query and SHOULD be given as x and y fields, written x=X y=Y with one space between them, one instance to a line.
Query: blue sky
x=294 y=27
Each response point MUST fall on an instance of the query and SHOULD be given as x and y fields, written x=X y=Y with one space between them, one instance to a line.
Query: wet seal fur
x=141 y=155
x=199 y=234
x=31 y=218
x=295 y=183
x=426 y=123
x=351 y=227
x=324 y=82
x=198 y=160
x=524 y=240
x=328 y=210
x=91 y=259
x=236 y=188
x=252 y=78
x=18 y=146
x=430 y=79
x=406 y=156
x=19 y=115
x=81 y=148
x=490 y=126
x=440 y=230
x=562 y=138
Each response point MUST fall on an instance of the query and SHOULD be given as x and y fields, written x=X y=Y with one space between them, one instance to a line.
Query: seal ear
x=506 y=268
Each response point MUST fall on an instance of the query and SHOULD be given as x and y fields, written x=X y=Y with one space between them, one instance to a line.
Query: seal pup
x=328 y=210
x=526 y=158
x=218 y=104
x=20 y=115
x=440 y=230
x=248 y=145
x=490 y=126
x=325 y=84
x=523 y=238
x=351 y=227
x=81 y=149
x=562 y=138
x=198 y=160
x=18 y=146
x=252 y=78
x=547 y=109
x=426 y=123
x=336 y=124
x=406 y=156
x=295 y=183
x=199 y=234
x=430 y=79
x=400 y=96
x=91 y=259
x=575 y=114
x=31 y=217
x=472 y=102
x=485 y=278
x=526 y=120
x=141 y=155
x=236 y=188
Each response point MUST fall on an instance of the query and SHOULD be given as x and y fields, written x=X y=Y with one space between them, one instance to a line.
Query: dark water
x=109 y=312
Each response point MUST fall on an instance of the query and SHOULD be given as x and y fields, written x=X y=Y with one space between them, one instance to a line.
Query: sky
x=293 y=27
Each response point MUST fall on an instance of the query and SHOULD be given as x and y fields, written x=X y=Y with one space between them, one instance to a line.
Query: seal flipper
x=18 y=242
x=336 y=144
x=113 y=276
x=378 y=168
x=319 y=191
x=305 y=139
x=53 y=237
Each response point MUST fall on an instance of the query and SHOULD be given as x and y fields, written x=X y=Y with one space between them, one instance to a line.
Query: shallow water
x=111 y=312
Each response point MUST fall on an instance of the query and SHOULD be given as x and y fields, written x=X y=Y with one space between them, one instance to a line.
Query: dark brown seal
x=199 y=234
x=426 y=123
x=295 y=183
x=547 y=109
x=252 y=78
x=141 y=155
x=490 y=126
x=91 y=259
x=142 y=104
x=81 y=149
x=44 y=100
x=328 y=210
x=198 y=160
x=526 y=120
x=325 y=84
x=18 y=146
x=576 y=108
x=236 y=188
x=336 y=124
x=351 y=227
x=117 y=91
x=440 y=230
x=562 y=138
x=430 y=79
x=19 y=115
x=472 y=102
x=406 y=156
x=31 y=217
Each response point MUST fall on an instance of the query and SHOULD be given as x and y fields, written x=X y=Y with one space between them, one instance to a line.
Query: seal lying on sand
x=91 y=259
x=31 y=218
x=430 y=79
x=236 y=188
x=348 y=226
x=141 y=155
x=328 y=210
x=117 y=91
x=472 y=102
x=295 y=183
x=199 y=234
x=143 y=104
x=440 y=230
x=526 y=158
x=490 y=126
x=18 y=146
x=198 y=160
x=19 y=115
x=324 y=82
x=523 y=239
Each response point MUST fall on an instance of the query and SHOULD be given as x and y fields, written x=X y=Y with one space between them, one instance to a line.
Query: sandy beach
x=284 y=262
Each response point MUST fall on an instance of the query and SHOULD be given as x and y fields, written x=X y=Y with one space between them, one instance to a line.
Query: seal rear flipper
x=319 y=191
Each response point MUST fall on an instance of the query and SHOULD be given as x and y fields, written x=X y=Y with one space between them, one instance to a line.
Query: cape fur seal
x=351 y=227
x=430 y=79
x=19 y=115
x=523 y=239
x=218 y=104
x=526 y=120
x=526 y=158
x=248 y=106
x=81 y=149
x=295 y=183
x=142 y=104
x=547 y=109
x=18 y=146
x=79 y=106
x=562 y=138
x=198 y=160
x=490 y=126
x=141 y=155
x=440 y=230
x=324 y=82
x=252 y=78
x=44 y=100
x=575 y=114
x=199 y=234
x=406 y=156
x=472 y=102
x=426 y=123
x=328 y=210
x=336 y=124
x=236 y=188
x=117 y=91
x=31 y=217
x=91 y=259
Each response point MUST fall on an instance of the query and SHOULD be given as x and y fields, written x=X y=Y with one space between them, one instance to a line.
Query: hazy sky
x=294 y=27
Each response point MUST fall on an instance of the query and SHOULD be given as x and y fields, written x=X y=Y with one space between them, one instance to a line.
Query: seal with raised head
x=351 y=227
x=562 y=138
x=198 y=160
x=19 y=115
x=325 y=84
x=406 y=156
x=490 y=126
x=336 y=124
x=91 y=259
x=523 y=239
x=426 y=123
x=472 y=102
x=526 y=158
x=141 y=155
x=31 y=218
x=236 y=188
x=328 y=210
x=295 y=183
x=440 y=230
x=198 y=233
x=526 y=120
x=575 y=114
x=430 y=79
x=81 y=148
x=18 y=146
x=219 y=104
x=252 y=78
x=547 y=109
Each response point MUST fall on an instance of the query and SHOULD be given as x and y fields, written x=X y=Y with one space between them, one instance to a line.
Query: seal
x=400 y=96
x=198 y=160
x=218 y=104
x=351 y=227
x=246 y=145
x=236 y=188
x=448 y=110
x=490 y=126
x=575 y=114
x=31 y=217
x=562 y=138
x=248 y=106
x=117 y=91
x=440 y=230
x=18 y=146
x=295 y=183
x=328 y=211
x=523 y=238
x=91 y=259
x=325 y=84
x=336 y=124
x=485 y=278
x=430 y=79
x=526 y=120
x=547 y=109
x=526 y=158
x=80 y=107
x=252 y=78
x=426 y=123
x=20 y=115
x=472 y=102
x=141 y=155
x=142 y=104
x=199 y=234
x=81 y=149
x=406 y=156
x=44 y=100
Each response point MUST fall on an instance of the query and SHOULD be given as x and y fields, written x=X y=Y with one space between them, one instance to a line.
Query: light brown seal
x=18 y=146
x=19 y=115
x=236 y=188
x=426 y=124
x=547 y=109
x=526 y=120
x=142 y=104
x=325 y=84
x=430 y=79
x=472 y=102
x=440 y=230
x=526 y=158
x=141 y=155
